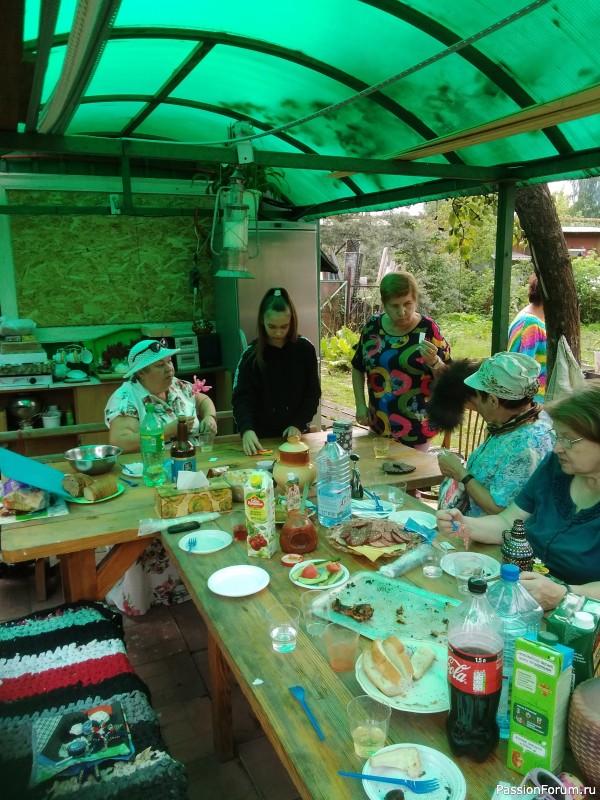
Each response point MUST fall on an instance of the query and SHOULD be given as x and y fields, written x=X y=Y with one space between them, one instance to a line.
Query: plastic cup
x=368 y=721
x=342 y=647
x=431 y=565
x=238 y=526
x=283 y=624
x=467 y=565
x=381 y=447
x=396 y=495
x=315 y=614
x=206 y=441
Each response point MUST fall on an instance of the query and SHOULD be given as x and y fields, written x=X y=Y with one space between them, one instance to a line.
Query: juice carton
x=539 y=706
x=565 y=624
x=259 y=505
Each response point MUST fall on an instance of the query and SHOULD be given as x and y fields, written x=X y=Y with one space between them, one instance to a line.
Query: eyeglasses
x=154 y=347
x=564 y=441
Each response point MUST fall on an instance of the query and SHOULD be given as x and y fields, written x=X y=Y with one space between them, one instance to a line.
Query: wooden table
x=74 y=538
x=239 y=643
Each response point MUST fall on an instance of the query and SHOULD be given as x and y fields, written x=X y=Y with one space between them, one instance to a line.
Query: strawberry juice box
x=259 y=506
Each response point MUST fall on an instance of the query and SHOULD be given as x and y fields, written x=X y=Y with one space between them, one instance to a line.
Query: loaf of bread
x=100 y=488
x=405 y=759
x=422 y=658
x=75 y=484
x=383 y=673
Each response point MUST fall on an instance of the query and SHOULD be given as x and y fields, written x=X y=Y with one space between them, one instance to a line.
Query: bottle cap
x=509 y=572
x=547 y=637
x=584 y=620
x=477 y=586
x=331 y=437
x=149 y=408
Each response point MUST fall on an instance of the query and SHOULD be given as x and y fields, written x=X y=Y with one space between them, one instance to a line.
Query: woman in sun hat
x=151 y=379
x=502 y=389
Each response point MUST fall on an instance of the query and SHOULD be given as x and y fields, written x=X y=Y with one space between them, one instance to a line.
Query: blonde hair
x=398 y=284
x=580 y=411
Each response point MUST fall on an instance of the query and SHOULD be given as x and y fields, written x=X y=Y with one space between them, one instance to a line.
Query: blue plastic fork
x=192 y=541
x=418 y=787
x=375 y=497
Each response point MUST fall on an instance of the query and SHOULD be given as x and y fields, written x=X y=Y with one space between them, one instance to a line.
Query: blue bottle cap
x=331 y=437
x=509 y=572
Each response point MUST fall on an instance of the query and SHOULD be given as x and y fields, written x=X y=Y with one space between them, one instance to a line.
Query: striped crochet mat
x=66 y=660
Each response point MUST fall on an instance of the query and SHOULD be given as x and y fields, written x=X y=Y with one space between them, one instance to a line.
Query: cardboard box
x=586 y=644
x=540 y=701
x=259 y=507
x=171 y=503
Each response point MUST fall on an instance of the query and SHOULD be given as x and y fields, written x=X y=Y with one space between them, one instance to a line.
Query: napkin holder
x=171 y=503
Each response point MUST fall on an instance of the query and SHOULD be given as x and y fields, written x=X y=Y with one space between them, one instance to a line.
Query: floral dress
x=398 y=380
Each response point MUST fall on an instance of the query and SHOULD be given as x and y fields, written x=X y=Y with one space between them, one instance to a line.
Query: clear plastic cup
x=342 y=647
x=368 y=721
x=283 y=624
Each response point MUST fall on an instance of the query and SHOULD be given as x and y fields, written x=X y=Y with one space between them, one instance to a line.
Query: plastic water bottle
x=152 y=442
x=333 y=483
x=521 y=614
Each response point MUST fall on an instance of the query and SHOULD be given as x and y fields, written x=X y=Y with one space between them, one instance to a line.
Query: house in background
x=580 y=241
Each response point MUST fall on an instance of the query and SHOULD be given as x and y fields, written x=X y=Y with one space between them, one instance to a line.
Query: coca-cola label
x=474 y=673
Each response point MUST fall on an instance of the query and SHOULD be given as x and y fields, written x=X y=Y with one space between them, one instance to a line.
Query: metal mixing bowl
x=93 y=459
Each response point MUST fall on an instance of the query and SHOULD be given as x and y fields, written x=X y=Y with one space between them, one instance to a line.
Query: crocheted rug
x=68 y=659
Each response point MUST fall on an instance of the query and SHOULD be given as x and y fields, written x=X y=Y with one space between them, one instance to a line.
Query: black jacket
x=286 y=391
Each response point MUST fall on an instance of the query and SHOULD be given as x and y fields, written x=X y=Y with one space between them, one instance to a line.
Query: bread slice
x=381 y=672
x=394 y=649
x=405 y=759
x=422 y=658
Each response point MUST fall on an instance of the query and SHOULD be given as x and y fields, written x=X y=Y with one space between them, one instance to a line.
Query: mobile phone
x=183 y=527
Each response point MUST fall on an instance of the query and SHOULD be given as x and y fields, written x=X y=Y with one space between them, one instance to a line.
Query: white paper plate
x=490 y=565
x=425 y=696
x=366 y=508
x=436 y=765
x=238 y=581
x=422 y=517
x=342 y=575
x=207 y=541
x=134 y=470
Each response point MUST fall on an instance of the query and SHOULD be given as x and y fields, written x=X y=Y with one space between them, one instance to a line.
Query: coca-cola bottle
x=474 y=674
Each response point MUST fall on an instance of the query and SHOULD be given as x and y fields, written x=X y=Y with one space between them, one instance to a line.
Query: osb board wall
x=95 y=270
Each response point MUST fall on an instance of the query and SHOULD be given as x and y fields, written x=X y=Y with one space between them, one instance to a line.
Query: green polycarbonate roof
x=451 y=98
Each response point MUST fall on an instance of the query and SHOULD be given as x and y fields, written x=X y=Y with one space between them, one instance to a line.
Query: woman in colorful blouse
x=399 y=352
x=527 y=333
x=152 y=380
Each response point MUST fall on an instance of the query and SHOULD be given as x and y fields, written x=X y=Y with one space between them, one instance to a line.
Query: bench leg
x=41 y=594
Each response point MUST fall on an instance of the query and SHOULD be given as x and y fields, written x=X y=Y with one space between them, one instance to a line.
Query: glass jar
x=298 y=534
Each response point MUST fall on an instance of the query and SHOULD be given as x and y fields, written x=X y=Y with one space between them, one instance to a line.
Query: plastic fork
x=418 y=787
x=375 y=497
x=192 y=541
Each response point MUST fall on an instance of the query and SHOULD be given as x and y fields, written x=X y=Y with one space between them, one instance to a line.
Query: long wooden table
x=114 y=523
x=239 y=643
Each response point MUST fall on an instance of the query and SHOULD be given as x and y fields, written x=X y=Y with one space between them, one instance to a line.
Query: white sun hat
x=145 y=353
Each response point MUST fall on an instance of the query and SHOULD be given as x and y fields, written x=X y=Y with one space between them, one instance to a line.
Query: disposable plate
x=240 y=580
x=421 y=517
x=490 y=565
x=366 y=508
x=425 y=696
x=436 y=765
x=85 y=501
x=207 y=541
x=342 y=575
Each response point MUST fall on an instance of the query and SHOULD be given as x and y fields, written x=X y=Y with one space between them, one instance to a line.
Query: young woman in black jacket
x=276 y=388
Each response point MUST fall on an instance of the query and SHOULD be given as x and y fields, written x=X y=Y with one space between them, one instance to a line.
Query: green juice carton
x=539 y=705
x=259 y=506
x=576 y=622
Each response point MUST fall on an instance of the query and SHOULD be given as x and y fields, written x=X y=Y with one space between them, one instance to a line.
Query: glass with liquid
x=368 y=721
x=283 y=627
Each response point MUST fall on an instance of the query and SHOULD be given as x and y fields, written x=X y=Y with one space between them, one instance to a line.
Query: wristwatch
x=468 y=477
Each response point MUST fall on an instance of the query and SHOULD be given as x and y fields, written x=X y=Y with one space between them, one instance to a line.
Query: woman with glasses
x=276 y=387
x=560 y=505
x=502 y=390
x=151 y=379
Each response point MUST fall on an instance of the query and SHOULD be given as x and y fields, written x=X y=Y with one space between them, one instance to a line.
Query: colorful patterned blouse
x=527 y=334
x=398 y=380
x=131 y=399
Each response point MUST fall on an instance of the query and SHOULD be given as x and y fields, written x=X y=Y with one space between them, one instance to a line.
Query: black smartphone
x=183 y=527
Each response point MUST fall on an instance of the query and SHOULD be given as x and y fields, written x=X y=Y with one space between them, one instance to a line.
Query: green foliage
x=587 y=280
x=586 y=195
x=338 y=350
x=468 y=215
